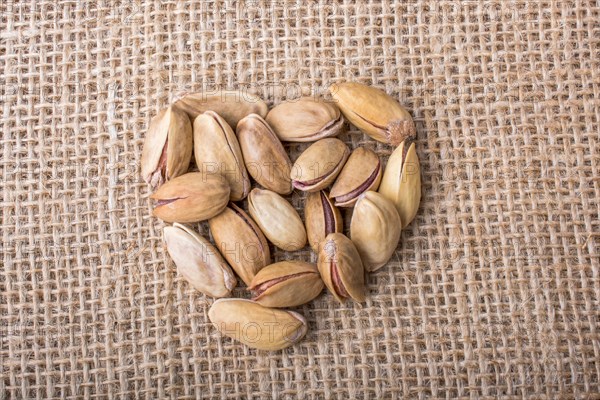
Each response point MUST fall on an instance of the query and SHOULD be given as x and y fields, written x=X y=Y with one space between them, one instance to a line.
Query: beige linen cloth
x=493 y=292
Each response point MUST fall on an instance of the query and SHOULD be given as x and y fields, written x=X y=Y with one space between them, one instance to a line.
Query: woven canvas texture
x=494 y=291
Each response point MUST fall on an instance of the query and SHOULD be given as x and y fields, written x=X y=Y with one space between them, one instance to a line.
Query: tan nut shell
x=257 y=326
x=305 y=120
x=319 y=165
x=286 y=284
x=232 y=105
x=265 y=158
x=375 y=229
x=401 y=182
x=321 y=217
x=198 y=261
x=373 y=112
x=191 y=197
x=278 y=220
x=362 y=172
x=167 y=148
x=341 y=268
x=217 y=150
x=241 y=242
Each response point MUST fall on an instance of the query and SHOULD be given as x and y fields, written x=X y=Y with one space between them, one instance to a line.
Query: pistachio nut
x=373 y=112
x=264 y=155
x=319 y=164
x=278 y=220
x=321 y=218
x=191 y=197
x=305 y=120
x=286 y=284
x=168 y=147
x=362 y=172
x=375 y=229
x=401 y=182
x=217 y=151
x=257 y=326
x=198 y=261
x=341 y=268
x=240 y=241
x=232 y=105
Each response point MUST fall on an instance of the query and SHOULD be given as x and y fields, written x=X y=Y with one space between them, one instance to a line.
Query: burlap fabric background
x=493 y=292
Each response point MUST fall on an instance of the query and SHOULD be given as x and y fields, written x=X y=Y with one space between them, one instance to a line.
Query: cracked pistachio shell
x=362 y=172
x=265 y=158
x=401 y=182
x=375 y=229
x=240 y=241
x=319 y=165
x=232 y=105
x=322 y=217
x=257 y=326
x=305 y=120
x=277 y=218
x=191 y=197
x=198 y=261
x=374 y=112
x=167 y=148
x=217 y=151
x=286 y=284
x=341 y=268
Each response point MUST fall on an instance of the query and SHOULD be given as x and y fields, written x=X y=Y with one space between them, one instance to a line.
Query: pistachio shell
x=278 y=220
x=305 y=120
x=217 y=151
x=264 y=155
x=341 y=268
x=240 y=241
x=191 y=197
x=375 y=229
x=232 y=105
x=374 y=112
x=321 y=218
x=257 y=326
x=319 y=165
x=198 y=261
x=362 y=172
x=286 y=284
x=401 y=182
x=168 y=147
